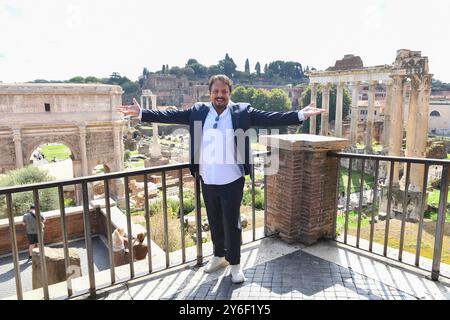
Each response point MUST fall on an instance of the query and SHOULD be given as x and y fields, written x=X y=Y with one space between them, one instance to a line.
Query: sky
x=60 y=39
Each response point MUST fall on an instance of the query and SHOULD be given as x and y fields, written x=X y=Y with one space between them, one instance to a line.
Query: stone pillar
x=339 y=109
x=301 y=195
x=325 y=105
x=354 y=113
x=83 y=149
x=155 y=152
x=312 y=120
x=117 y=127
x=387 y=117
x=421 y=130
x=18 y=147
x=370 y=116
x=396 y=124
x=142 y=102
x=412 y=122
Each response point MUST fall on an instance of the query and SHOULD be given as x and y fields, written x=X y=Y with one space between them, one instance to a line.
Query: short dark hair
x=220 y=77
x=32 y=206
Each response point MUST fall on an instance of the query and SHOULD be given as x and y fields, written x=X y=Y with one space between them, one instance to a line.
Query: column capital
x=17 y=131
x=326 y=86
x=82 y=129
x=425 y=84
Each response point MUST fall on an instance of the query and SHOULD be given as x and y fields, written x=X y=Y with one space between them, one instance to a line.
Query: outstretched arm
x=168 y=116
x=270 y=119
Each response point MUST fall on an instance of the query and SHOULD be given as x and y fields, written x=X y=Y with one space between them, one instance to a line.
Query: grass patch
x=355 y=182
x=58 y=151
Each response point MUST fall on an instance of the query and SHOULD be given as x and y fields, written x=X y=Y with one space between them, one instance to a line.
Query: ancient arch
x=81 y=116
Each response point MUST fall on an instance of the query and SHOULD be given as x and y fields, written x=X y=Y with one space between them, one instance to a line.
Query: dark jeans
x=223 y=203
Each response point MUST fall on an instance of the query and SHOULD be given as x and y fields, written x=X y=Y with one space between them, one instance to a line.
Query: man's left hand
x=311 y=110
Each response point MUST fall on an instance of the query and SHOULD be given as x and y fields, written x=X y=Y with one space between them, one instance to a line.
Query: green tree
x=92 y=80
x=306 y=100
x=258 y=68
x=213 y=70
x=77 y=79
x=48 y=198
x=247 y=66
x=274 y=100
x=265 y=68
x=227 y=66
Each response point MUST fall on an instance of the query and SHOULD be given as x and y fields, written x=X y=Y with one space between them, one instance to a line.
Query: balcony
x=309 y=246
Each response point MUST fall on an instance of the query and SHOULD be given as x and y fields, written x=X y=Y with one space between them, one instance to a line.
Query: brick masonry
x=301 y=196
x=53 y=231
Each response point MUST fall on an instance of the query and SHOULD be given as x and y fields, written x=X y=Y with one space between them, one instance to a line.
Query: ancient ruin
x=399 y=116
x=81 y=116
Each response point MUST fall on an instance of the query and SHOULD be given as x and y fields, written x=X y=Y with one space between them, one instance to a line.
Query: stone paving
x=7 y=282
x=294 y=275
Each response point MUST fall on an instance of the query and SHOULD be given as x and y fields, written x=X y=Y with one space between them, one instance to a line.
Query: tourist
x=140 y=249
x=29 y=218
x=119 y=241
x=222 y=183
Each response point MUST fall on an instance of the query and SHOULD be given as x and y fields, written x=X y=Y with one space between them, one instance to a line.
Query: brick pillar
x=301 y=196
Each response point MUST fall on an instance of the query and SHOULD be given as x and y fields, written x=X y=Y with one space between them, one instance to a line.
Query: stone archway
x=80 y=116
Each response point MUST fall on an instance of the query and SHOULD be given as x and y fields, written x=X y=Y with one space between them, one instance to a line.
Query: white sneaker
x=237 y=275
x=215 y=264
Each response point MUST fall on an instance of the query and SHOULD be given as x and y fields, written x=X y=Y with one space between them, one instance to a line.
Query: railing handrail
x=389 y=158
x=102 y=177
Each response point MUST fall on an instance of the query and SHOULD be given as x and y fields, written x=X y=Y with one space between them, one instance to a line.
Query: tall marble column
x=354 y=113
x=312 y=120
x=117 y=127
x=387 y=117
x=421 y=130
x=17 y=138
x=142 y=101
x=396 y=125
x=370 y=116
x=339 y=109
x=83 y=149
x=155 y=151
x=324 y=117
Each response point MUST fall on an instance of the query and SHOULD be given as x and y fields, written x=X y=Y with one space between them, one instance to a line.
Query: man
x=29 y=218
x=212 y=129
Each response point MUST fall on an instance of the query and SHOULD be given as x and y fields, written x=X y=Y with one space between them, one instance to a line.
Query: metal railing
x=392 y=160
x=107 y=178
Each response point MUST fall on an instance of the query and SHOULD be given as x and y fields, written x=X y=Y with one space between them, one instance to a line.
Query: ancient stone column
x=83 y=149
x=339 y=109
x=155 y=152
x=119 y=157
x=421 y=130
x=387 y=117
x=370 y=116
x=301 y=195
x=354 y=113
x=312 y=120
x=325 y=105
x=396 y=124
x=18 y=147
x=142 y=102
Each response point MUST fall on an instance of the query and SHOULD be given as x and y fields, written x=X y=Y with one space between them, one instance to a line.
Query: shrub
x=48 y=198
x=259 y=198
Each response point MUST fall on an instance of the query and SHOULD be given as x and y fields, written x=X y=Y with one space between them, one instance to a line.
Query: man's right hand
x=130 y=110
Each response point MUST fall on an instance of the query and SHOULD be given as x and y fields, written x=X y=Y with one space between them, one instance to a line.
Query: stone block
x=56 y=269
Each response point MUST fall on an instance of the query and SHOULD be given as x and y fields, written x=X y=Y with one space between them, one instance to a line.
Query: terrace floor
x=276 y=270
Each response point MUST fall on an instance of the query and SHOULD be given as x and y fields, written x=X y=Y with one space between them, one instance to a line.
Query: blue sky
x=53 y=39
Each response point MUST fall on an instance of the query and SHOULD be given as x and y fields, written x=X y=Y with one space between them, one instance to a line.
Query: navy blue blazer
x=243 y=116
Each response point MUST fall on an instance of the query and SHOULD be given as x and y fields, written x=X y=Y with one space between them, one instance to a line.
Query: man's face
x=220 y=94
